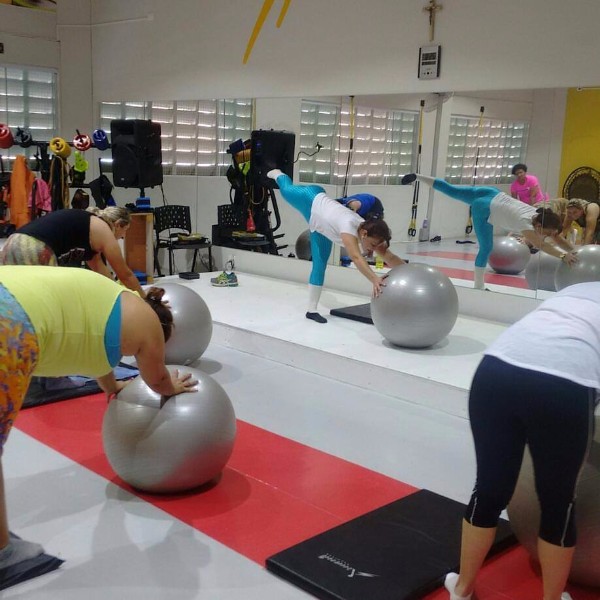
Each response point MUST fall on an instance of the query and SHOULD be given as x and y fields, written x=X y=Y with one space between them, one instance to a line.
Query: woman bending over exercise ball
x=105 y=321
x=530 y=388
x=587 y=216
x=490 y=207
x=329 y=223
x=366 y=205
x=68 y=236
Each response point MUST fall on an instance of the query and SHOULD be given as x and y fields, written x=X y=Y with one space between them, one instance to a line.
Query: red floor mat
x=273 y=494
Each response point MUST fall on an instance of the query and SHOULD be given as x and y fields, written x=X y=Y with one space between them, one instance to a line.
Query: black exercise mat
x=359 y=312
x=28 y=569
x=400 y=551
x=39 y=394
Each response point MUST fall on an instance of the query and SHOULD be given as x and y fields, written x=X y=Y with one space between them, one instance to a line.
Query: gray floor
x=117 y=546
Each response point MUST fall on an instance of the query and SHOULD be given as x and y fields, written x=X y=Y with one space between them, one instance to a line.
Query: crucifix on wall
x=432 y=8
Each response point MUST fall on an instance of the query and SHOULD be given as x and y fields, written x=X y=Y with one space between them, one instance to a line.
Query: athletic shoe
x=566 y=596
x=408 y=179
x=225 y=280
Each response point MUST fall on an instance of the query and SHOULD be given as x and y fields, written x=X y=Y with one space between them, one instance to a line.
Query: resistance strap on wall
x=412 y=226
x=469 y=227
x=350 y=150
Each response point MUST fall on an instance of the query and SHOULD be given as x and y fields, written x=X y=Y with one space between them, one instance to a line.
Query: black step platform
x=358 y=312
x=400 y=551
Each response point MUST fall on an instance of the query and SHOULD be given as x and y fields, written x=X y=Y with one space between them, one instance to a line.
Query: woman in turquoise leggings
x=490 y=207
x=329 y=223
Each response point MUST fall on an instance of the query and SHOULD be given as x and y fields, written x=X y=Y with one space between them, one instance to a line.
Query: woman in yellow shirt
x=105 y=321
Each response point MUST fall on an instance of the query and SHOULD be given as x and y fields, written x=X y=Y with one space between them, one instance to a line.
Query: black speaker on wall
x=136 y=153
x=271 y=150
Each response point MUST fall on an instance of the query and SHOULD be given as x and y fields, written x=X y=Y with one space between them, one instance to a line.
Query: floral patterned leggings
x=18 y=356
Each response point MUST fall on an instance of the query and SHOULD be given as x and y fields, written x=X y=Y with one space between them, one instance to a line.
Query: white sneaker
x=274 y=173
x=450 y=584
x=566 y=596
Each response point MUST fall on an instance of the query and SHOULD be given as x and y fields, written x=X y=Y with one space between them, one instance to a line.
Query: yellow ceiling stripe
x=260 y=21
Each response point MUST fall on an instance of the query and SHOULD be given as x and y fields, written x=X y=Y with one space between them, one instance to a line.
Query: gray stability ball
x=175 y=447
x=541 y=270
x=303 y=251
x=587 y=268
x=192 y=321
x=509 y=256
x=417 y=308
x=524 y=515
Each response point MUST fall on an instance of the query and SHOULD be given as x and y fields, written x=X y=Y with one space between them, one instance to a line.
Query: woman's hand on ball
x=183 y=383
x=378 y=286
x=570 y=258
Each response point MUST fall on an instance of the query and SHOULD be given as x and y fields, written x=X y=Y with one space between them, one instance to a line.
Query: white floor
x=336 y=387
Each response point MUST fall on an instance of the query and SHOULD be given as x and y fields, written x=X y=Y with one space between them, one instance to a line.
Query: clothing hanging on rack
x=59 y=183
x=21 y=182
x=40 y=200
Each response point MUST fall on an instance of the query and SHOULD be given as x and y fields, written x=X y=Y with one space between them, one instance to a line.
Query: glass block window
x=384 y=145
x=195 y=134
x=319 y=124
x=28 y=99
x=484 y=155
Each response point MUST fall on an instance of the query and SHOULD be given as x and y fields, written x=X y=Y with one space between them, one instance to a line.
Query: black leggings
x=510 y=407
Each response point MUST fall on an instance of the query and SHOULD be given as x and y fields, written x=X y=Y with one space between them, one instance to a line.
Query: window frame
x=483 y=161
x=381 y=167
x=181 y=136
x=27 y=110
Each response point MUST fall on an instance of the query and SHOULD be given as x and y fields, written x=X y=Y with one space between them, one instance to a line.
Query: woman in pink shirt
x=526 y=188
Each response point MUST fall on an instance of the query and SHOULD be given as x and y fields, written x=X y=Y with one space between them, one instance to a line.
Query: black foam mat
x=28 y=569
x=358 y=312
x=400 y=551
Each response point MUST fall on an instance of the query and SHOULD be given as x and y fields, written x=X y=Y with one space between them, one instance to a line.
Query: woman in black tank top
x=586 y=215
x=69 y=236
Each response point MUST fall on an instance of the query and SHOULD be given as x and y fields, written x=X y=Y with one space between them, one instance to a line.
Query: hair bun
x=155 y=294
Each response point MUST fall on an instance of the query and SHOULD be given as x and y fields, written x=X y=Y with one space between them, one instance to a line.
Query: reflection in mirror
x=473 y=138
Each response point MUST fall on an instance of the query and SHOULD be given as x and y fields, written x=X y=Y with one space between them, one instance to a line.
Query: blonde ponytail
x=112 y=215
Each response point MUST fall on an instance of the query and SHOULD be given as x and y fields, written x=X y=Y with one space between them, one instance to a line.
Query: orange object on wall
x=21 y=182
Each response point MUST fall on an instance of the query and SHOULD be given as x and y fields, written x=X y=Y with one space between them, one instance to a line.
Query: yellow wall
x=581 y=135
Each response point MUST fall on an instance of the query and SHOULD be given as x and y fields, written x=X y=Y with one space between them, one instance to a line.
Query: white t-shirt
x=511 y=214
x=331 y=218
x=561 y=337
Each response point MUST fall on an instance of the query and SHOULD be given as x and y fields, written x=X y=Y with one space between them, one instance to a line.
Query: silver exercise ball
x=587 y=268
x=303 y=251
x=509 y=256
x=192 y=324
x=417 y=308
x=178 y=446
x=541 y=270
x=524 y=515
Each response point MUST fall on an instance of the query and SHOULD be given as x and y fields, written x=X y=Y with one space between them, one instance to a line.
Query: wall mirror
x=368 y=142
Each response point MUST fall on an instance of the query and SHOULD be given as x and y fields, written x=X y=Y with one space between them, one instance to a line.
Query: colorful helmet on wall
x=59 y=147
x=6 y=136
x=100 y=139
x=82 y=142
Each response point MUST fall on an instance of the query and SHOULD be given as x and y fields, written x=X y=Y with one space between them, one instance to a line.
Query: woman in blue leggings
x=490 y=207
x=536 y=386
x=330 y=222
